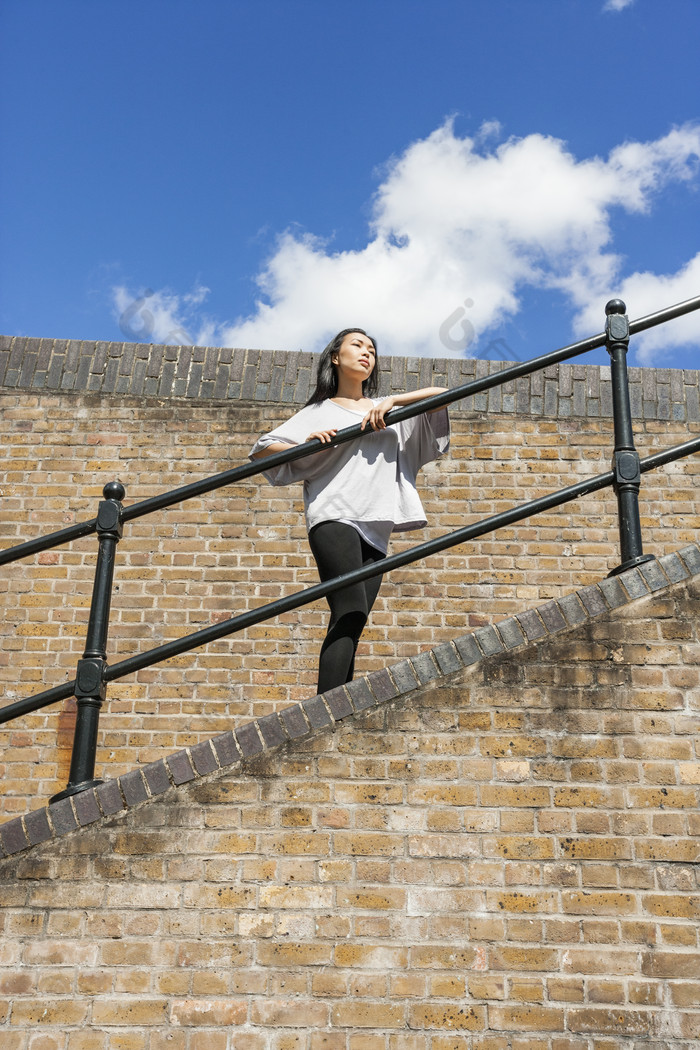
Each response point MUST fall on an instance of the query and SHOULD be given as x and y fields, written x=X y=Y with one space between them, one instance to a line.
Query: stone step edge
x=234 y=748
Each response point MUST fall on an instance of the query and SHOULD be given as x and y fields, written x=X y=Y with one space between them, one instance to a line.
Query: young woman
x=358 y=493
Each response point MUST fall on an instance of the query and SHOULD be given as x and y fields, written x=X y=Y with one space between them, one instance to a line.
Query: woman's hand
x=375 y=416
x=324 y=436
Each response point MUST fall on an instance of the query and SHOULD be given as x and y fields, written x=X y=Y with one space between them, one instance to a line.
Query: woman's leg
x=371 y=586
x=338 y=549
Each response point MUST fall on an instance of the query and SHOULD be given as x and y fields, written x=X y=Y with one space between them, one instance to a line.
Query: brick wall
x=505 y=858
x=75 y=415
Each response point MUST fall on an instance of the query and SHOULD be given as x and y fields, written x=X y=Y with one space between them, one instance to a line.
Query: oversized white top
x=369 y=483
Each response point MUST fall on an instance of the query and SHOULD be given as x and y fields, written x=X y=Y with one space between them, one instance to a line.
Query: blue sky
x=456 y=177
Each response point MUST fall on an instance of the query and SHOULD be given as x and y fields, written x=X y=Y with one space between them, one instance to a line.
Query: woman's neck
x=349 y=390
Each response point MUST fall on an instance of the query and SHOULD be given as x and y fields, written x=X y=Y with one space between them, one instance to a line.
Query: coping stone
x=511 y=632
x=338 y=702
x=133 y=787
x=613 y=592
x=13 y=837
x=425 y=668
x=180 y=767
x=488 y=640
x=203 y=758
x=404 y=677
x=294 y=722
x=317 y=713
x=272 y=730
x=361 y=695
x=447 y=658
x=382 y=686
x=86 y=809
x=37 y=826
x=593 y=600
x=468 y=650
x=532 y=625
x=673 y=567
x=156 y=774
x=276 y=376
x=634 y=583
x=226 y=749
x=691 y=557
x=552 y=618
x=654 y=575
x=248 y=740
x=573 y=610
x=109 y=797
x=62 y=816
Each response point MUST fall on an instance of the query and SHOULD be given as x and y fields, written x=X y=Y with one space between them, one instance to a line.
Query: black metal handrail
x=93 y=672
x=319 y=590
x=247 y=470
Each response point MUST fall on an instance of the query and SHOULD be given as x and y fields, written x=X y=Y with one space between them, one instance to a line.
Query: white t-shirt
x=369 y=483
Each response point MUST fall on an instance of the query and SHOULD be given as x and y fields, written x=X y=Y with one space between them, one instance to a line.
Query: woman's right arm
x=324 y=436
x=269 y=450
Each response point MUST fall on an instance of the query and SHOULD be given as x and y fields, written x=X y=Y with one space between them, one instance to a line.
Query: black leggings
x=338 y=549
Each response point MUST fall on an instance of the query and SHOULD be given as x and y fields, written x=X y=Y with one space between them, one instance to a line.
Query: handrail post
x=90 y=686
x=625 y=461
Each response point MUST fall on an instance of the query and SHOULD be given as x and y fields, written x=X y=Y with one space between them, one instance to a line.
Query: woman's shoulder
x=315 y=416
x=316 y=409
x=324 y=408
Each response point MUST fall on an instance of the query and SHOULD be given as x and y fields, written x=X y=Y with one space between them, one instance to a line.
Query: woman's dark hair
x=327 y=375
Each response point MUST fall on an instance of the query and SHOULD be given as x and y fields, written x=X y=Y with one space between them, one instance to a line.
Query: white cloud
x=160 y=317
x=460 y=231
x=617 y=5
x=644 y=294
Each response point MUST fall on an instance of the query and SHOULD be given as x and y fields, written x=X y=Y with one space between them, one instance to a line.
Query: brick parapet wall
x=193 y=565
x=215 y=373
x=504 y=857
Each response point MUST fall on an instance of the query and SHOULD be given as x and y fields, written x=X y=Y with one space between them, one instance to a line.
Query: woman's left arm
x=375 y=416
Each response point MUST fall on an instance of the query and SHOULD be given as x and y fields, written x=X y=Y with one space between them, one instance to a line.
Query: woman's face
x=356 y=356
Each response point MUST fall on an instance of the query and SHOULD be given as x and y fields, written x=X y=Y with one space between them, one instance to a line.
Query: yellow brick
x=369 y=957
x=367 y=1015
x=208 y=1012
x=441 y=1016
x=130 y=1012
x=526 y=1018
x=293 y=955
